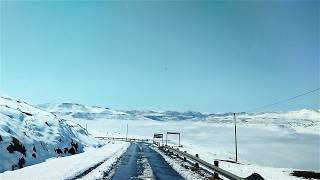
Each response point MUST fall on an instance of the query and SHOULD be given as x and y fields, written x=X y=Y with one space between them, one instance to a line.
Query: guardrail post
x=216 y=175
x=196 y=165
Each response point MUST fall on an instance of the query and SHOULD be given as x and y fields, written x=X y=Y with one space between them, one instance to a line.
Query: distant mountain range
x=305 y=120
x=90 y=112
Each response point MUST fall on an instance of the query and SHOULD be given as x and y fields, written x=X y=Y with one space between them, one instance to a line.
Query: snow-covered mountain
x=75 y=110
x=169 y=115
x=29 y=135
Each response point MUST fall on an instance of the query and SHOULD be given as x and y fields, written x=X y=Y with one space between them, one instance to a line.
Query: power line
x=284 y=100
x=266 y=106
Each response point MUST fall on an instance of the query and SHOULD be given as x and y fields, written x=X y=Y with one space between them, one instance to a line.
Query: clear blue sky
x=205 y=56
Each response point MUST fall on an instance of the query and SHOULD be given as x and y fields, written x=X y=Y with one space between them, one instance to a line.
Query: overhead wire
x=283 y=100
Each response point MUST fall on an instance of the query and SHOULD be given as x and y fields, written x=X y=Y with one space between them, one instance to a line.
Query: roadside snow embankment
x=71 y=166
x=29 y=135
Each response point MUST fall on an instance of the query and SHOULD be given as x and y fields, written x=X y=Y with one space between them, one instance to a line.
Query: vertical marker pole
x=235 y=136
x=127 y=133
x=166 y=139
x=162 y=140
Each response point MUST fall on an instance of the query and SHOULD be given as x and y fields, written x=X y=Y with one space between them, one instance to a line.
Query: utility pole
x=127 y=133
x=235 y=136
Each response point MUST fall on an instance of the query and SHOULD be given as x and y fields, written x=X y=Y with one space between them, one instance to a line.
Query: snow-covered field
x=268 y=142
x=271 y=144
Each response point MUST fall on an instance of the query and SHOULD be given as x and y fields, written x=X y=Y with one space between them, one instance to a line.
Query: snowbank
x=71 y=166
x=29 y=135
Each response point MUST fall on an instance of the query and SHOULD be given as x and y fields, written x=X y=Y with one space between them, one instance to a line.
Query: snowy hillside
x=76 y=110
x=29 y=135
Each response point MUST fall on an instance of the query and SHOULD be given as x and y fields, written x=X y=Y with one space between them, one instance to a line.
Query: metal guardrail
x=186 y=155
x=122 y=139
x=214 y=168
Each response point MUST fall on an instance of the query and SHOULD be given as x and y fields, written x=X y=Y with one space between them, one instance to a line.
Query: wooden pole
x=235 y=136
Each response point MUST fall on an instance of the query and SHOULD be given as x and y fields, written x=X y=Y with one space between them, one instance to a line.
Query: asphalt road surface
x=142 y=162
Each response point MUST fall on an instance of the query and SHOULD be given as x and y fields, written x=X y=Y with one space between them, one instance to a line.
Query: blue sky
x=203 y=56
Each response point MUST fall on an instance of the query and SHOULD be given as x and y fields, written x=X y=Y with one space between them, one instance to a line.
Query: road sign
x=158 y=136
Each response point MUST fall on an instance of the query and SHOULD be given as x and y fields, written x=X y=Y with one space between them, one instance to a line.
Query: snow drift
x=29 y=135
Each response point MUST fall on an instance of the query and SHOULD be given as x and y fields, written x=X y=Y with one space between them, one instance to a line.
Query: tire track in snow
x=147 y=173
x=142 y=162
x=99 y=170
